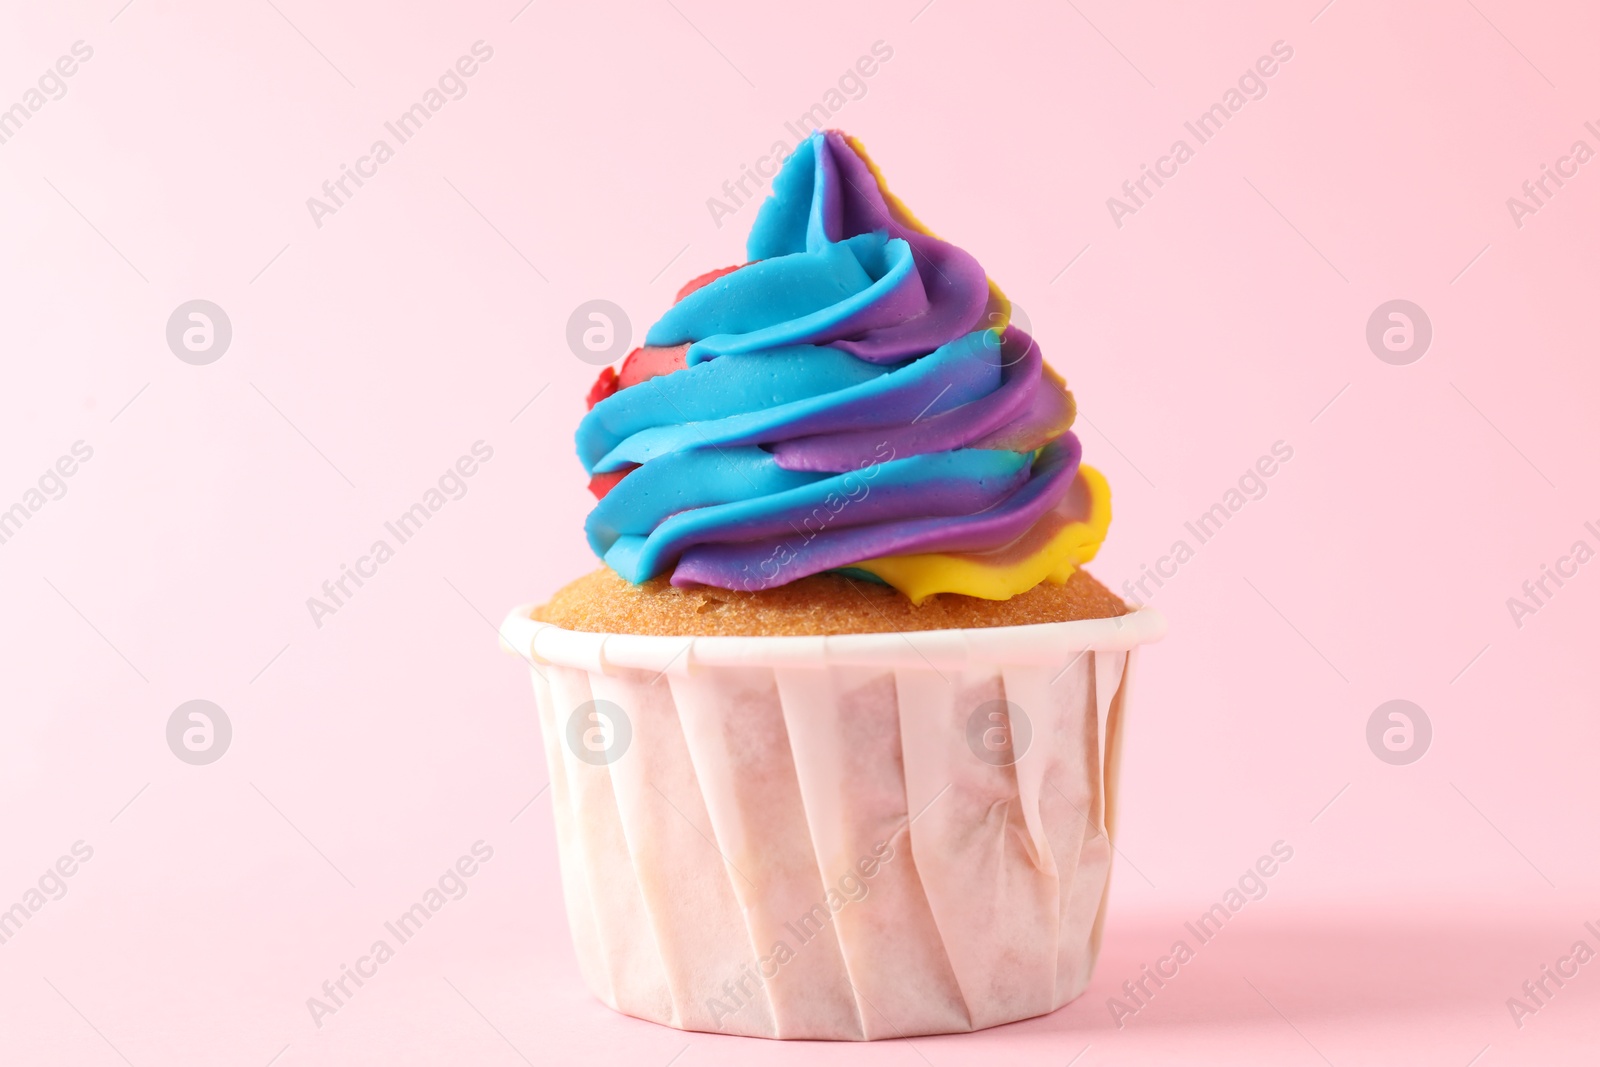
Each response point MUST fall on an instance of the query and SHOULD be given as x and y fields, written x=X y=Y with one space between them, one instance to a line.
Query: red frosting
x=601 y=484
x=645 y=363
x=641 y=365
x=705 y=279
x=603 y=386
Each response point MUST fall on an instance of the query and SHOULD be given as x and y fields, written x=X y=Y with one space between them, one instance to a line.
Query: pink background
x=429 y=313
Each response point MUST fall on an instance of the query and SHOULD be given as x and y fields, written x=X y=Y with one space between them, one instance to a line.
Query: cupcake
x=833 y=733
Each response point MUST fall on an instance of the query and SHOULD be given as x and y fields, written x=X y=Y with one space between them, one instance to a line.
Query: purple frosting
x=844 y=396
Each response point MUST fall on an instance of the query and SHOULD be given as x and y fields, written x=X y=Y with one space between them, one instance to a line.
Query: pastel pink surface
x=430 y=312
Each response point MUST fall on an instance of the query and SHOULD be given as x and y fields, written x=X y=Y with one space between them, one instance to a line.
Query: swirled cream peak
x=853 y=398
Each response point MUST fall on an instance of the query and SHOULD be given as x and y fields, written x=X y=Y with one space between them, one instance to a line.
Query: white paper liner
x=763 y=771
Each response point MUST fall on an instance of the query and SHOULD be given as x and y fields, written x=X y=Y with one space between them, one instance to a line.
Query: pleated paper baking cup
x=851 y=838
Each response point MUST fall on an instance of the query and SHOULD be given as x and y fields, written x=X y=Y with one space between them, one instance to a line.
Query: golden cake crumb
x=604 y=602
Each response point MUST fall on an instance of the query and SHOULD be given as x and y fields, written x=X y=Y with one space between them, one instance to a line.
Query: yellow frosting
x=921 y=575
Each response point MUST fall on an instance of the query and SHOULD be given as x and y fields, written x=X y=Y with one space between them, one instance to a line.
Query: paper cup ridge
x=850 y=838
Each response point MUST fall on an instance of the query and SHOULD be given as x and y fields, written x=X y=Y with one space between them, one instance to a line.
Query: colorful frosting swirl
x=854 y=398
